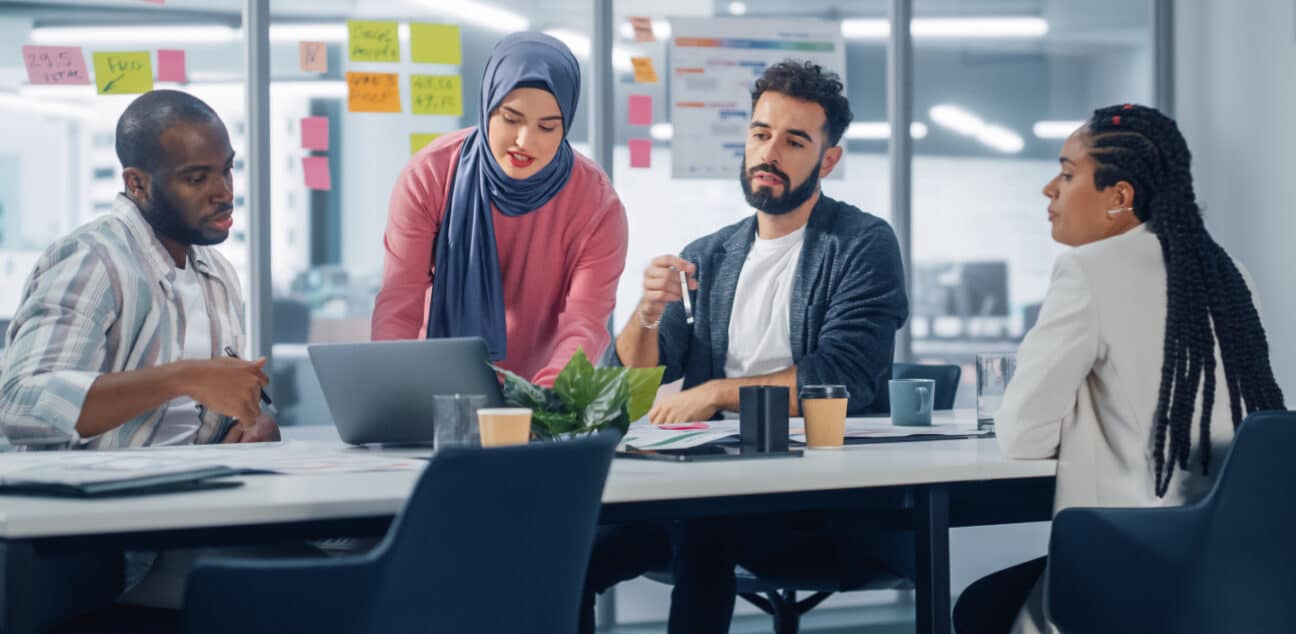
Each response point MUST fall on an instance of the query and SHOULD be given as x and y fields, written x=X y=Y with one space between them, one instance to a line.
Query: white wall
x=1233 y=99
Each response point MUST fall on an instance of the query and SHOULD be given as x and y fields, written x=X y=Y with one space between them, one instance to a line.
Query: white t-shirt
x=760 y=335
x=180 y=425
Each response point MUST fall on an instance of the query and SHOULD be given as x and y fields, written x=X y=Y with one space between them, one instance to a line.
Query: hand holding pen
x=265 y=398
x=667 y=279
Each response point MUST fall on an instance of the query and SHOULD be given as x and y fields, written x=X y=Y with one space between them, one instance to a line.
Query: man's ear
x=830 y=159
x=138 y=184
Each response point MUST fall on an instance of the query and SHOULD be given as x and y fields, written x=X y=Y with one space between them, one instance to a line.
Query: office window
x=999 y=88
x=667 y=212
x=58 y=165
x=327 y=245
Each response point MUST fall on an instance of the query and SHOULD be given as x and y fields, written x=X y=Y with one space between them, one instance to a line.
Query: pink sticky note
x=641 y=110
x=316 y=170
x=640 y=152
x=155 y=1
x=314 y=133
x=55 y=65
x=171 y=66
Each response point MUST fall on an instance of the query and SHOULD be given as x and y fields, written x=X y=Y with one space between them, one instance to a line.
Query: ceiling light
x=1055 y=129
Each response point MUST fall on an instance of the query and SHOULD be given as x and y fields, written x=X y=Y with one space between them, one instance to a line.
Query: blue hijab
x=467 y=296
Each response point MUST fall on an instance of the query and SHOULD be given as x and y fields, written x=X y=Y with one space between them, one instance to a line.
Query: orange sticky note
x=313 y=57
x=316 y=171
x=171 y=66
x=644 y=72
x=643 y=31
x=640 y=152
x=640 y=110
x=315 y=133
x=373 y=92
x=55 y=65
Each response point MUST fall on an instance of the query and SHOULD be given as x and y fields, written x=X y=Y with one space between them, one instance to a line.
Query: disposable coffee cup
x=504 y=426
x=824 y=409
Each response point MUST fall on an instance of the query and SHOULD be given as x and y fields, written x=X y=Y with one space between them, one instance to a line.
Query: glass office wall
x=58 y=165
x=1000 y=86
x=327 y=242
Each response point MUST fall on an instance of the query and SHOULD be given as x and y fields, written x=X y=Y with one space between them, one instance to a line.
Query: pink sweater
x=559 y=264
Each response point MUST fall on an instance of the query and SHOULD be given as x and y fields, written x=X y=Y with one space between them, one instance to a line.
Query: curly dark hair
x=809 y=81
x=1207 y=299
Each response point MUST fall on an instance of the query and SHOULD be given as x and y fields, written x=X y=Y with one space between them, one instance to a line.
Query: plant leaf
x=613 y=394
x=643 y=384
x=574 y=384
x=519 y=392
x=549 y=424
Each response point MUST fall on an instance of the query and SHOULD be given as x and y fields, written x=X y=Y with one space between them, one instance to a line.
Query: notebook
x=79 y=482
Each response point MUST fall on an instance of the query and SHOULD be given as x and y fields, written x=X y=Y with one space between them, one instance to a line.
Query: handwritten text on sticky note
x=55 y=65
x=123 y=73
x=373 y=92
x=644 y=73
x=373 y=41
x=313 y=57
x=436 y=94
x=435 y=43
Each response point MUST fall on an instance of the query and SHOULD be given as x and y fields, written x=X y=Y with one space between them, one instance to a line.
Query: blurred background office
x=996 y=85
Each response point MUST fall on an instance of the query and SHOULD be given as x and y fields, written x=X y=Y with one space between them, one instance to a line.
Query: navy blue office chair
x=492 y=540
x=1224 y=564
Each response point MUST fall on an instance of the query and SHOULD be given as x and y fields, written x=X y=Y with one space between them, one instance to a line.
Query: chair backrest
x=1223 y=564
x=945 y=376
x=495 y=540
x=1243 y=577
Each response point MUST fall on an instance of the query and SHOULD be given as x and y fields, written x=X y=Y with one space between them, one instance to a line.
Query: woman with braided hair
x=1148 y=351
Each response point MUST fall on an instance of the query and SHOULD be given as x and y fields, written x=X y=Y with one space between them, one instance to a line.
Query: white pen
x=688 y=305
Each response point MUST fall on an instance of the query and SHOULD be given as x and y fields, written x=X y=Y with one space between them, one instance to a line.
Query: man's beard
x=763 y=198
x=165 y=216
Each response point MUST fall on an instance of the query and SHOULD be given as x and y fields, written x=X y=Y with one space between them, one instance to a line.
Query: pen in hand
x=265 y=398
x=688 y=305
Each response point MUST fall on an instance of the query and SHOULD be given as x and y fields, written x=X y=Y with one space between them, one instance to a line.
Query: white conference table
x=941 y=483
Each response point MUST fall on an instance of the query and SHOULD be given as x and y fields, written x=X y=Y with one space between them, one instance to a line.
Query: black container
x=763 y=418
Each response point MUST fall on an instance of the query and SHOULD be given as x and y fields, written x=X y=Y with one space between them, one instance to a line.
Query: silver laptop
x=382 y=392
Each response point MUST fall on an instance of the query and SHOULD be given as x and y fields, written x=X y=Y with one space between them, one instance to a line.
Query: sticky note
x=129 y=73
x=373 y=41
x=641 y=110
x=436 y=94
x=373 y=92
x=419 y=140
x=313 y=57
x=643 y=70
x=315 y=133
x=155 y=1
x=640 y=152
x=643 y=31
x=316 y=171
x=171 y=66
x=55 y=65
x=435 y=43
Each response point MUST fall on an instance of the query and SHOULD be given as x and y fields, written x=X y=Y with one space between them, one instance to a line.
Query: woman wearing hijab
x=520 y=239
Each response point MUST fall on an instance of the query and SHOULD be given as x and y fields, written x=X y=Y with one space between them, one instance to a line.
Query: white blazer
x=1086 y=385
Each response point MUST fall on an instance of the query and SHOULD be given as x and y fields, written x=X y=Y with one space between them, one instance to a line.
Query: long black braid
x=1207 y=299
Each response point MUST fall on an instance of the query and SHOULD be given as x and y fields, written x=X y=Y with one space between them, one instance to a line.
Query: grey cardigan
x=848 y=300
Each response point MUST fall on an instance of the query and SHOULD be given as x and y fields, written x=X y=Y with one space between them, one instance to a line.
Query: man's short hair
x=809 y=81
x=140 y=128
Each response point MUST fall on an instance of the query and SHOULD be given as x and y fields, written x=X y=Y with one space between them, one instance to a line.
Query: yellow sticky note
x=128 y=73
x=373 y=41
x=436 y=94
x=373 y=92
x=435 y=44
x=419 y=140
x=643 y=70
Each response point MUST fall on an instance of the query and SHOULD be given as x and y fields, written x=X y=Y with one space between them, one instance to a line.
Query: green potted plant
x=584 y=399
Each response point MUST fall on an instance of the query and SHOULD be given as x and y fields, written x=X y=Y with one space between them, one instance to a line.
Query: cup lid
x=824 y=391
